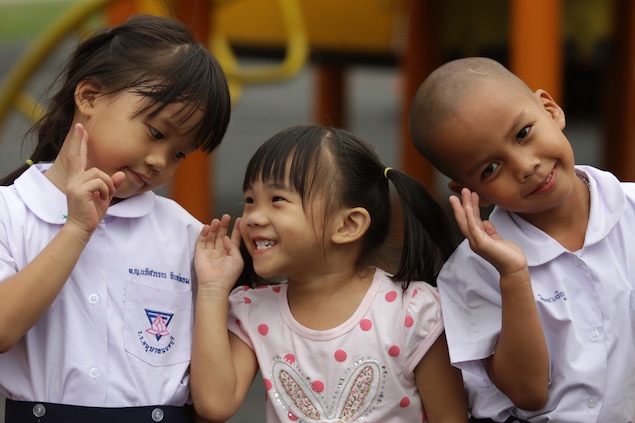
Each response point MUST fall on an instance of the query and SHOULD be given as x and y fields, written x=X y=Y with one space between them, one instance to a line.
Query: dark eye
x=277 y=198
x=156 y=133
x=249 y=200
x=523 y=133
x=179 y=155
x=490 y=169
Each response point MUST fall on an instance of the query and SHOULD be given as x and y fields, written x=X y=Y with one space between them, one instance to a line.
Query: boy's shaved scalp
x=440 y=94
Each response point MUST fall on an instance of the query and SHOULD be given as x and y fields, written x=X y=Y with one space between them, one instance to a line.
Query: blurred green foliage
x=24 y=19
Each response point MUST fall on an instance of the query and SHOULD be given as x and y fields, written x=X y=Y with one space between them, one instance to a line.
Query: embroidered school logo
x=159 y=322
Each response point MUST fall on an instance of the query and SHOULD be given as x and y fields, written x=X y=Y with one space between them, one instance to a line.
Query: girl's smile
x=264 y=244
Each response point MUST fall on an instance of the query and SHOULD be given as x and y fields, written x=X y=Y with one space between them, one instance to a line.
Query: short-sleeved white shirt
x=585 y=302
x=361 y=370
x=119 y=332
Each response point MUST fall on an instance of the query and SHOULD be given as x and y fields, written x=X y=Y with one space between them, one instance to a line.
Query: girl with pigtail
x=341 y=339
x=96 y=271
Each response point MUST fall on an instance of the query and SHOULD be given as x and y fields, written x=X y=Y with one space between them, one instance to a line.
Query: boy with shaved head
x=539 y=300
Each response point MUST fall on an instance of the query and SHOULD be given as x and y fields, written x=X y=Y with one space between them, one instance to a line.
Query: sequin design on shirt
x=357 y=393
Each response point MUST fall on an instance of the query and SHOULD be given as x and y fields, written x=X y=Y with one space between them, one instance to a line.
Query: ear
x=85 y=94
x=456 y=188
x=552 y=108
x=350 y=225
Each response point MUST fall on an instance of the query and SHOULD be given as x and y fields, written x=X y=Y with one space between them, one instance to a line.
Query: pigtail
x=428 y=238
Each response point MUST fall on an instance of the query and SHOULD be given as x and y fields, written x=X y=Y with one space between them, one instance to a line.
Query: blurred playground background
x=345 y=63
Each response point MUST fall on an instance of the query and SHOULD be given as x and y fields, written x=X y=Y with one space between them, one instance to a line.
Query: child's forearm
x=216 y=389
x=520 y=364
x=26 y=295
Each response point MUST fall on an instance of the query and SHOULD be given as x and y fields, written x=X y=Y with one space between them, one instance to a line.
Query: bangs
x=286 y=161
x=188 y=76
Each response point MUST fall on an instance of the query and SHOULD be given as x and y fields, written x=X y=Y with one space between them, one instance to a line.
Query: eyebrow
x=273 y=185
x=276 y=185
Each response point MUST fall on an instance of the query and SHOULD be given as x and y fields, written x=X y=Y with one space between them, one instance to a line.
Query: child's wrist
x=213 y=289
x=516 y=275
x=77 y=231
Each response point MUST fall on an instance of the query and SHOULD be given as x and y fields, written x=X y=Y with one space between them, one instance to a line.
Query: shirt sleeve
x=238 y=317
x=8 y=266
x=423 y=323
x=469 y=288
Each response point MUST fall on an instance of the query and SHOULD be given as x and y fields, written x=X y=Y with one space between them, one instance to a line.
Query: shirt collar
x=608 y=203
x=49 y=203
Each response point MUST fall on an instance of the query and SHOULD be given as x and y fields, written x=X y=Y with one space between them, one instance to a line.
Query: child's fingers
x=83 y=147
x=235 y=236
x=459 y=212
x=474 y=202
x=77 y=151
x=223 y=228
x=472 y=210
x=213 y=231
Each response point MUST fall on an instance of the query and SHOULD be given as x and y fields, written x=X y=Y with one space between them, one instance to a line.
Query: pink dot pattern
x=366 y=325
x=405 y=401
x=318 y=386
x=341 y=355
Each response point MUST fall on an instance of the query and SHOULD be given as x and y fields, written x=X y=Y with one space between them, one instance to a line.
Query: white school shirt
x=585 y=303
x=359 y=371
x=119 y=332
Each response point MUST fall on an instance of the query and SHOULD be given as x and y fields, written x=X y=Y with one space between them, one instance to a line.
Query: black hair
x=315 y=160
x=154 y=56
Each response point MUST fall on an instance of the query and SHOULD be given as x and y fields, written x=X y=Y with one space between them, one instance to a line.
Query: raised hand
x=88 y=191
x=504 y=255
x=217 y=261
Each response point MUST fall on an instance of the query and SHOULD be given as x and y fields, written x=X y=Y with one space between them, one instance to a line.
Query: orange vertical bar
x=422 y=56
x=120 y=11
x=536 y=44
x=331 y=104
x=619 y=130
x=191 y=186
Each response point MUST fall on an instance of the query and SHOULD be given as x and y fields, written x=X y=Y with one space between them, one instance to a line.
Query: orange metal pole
x=331 y=104
x=619 y=131
x=191 y=186
x=536 y=44
x=120 y=11
x=422 y=56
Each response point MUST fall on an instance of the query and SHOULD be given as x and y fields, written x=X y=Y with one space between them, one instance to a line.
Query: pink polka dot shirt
x=362 y=369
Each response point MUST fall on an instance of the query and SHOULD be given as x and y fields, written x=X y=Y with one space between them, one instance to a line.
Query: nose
x=526 y=166
x=254 y=216
x=157 y=160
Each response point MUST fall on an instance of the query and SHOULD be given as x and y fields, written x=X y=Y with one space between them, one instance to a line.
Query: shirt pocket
x=158 y=324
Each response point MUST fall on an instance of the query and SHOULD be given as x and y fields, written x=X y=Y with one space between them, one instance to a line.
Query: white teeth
x=263 y=245
x=547 y=181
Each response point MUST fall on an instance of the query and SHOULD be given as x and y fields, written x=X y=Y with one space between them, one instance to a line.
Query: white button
x=94 y=372
x=157 y=414
x=39 y=410
x=592 y=402
x=93 y=298
x=595 y=335
x=578 y=262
